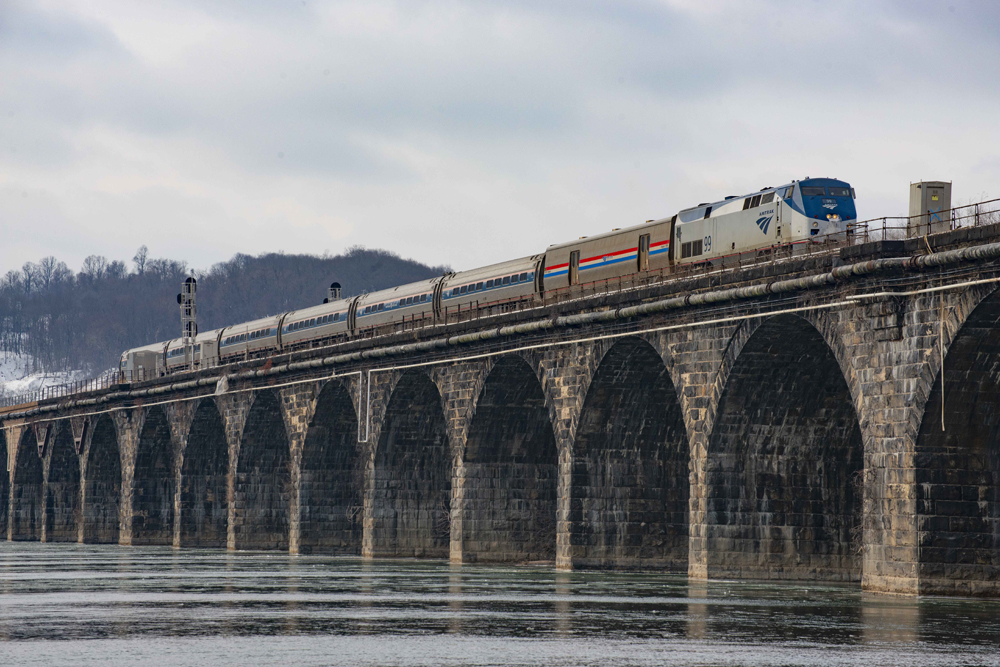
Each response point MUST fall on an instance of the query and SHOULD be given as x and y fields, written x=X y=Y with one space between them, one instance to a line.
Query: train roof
x=152 y=347
x=255 y=324
x=494 y=270
x=202 y=337
x=604 y=235
x=401 y=291
x=337 y=306
x=731 y=198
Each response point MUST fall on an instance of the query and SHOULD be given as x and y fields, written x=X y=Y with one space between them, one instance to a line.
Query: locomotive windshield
x=817 y=191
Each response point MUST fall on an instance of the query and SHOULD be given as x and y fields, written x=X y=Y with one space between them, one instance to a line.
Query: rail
x=876 y=229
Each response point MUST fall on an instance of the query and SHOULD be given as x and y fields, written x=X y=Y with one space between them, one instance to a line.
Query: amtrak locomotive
x=813 y=210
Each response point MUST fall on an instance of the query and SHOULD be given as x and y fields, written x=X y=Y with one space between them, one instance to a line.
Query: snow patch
x=16 y=377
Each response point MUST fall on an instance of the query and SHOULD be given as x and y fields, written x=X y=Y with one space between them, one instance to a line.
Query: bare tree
x=94 y=267
x=140 y=259
x=86 y=323
x=116 y=270
x=46 y=269
x=29 y=273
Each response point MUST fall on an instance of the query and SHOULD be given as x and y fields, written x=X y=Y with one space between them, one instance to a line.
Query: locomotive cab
x=820 y=207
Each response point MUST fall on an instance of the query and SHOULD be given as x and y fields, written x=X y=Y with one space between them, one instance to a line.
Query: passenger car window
x=506 y=280
x=489 y=284
x=479 y=287
x=521 y=278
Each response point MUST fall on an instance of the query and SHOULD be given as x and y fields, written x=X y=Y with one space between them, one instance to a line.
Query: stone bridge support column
x=179 y=417
x=297 y=406
x=83 y=433
x=886 y=358
x=459 y=385
x=128 y=426
x=13 y=434
x=696 y=358
x=45 y=434
x=565 y=373
x=234 y=408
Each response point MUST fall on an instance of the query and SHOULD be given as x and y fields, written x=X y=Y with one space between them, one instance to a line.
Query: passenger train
x=812 y=210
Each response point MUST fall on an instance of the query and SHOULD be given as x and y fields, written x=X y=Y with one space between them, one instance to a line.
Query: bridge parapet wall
x=792 y=436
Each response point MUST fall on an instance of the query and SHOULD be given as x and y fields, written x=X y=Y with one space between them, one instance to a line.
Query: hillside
x=63 y=321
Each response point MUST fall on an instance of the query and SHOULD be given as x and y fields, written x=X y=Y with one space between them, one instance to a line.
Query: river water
x=99 y=605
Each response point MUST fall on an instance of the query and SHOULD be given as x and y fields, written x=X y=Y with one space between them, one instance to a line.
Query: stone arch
x=204 y=507
x=153 y=482
x=62 y=488
x=331 y=477
x=102 y=489
x=26 y=507
x=784 y=461
x=957 y=461
x=511 y=467
x=263 y=478
x=824 y=325
x=411 y=474
x=630 y=465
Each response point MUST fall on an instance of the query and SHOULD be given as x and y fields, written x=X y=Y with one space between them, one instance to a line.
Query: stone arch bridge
x=832 y=417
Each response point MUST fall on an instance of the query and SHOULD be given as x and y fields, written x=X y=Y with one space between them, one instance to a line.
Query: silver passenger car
x=412 y=302
x=249 y=339
x=143 y=363
x=604 y=256
x=506 y=282
x=318 y=322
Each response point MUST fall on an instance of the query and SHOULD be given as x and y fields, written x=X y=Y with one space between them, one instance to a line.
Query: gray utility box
x=930 y=208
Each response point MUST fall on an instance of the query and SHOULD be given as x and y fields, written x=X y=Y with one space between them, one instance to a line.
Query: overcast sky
x=467 y=133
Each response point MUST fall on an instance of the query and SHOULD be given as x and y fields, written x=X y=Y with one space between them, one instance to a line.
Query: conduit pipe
x=840 y=273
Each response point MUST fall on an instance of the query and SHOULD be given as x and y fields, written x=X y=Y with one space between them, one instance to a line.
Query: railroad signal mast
x=189 y=316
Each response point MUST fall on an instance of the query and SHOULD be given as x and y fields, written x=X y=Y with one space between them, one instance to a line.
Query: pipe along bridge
x=829 y=417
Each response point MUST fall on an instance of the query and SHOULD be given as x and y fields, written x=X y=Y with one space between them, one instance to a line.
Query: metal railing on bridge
x=865 y=231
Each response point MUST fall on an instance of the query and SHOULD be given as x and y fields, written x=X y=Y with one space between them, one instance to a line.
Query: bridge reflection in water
x=111 y=604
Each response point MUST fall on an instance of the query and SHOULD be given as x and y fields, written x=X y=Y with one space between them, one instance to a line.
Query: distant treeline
x=83 y=321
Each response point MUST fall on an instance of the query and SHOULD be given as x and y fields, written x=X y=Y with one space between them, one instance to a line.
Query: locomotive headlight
x=833 y=217
x=815 y=225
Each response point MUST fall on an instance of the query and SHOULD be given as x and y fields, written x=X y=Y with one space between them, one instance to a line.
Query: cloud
x=466 y=133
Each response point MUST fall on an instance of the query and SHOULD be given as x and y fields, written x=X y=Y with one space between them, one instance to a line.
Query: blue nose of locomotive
x=827 y=200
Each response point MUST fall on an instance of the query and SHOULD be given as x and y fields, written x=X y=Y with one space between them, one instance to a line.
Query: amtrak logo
x=764 y=222
x=830 y=206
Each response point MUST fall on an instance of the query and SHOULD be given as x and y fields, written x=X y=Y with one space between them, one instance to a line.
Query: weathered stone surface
x=62 y=488
x=26 y=490
x=102 y=484
x=202 y=503
x=798 y=438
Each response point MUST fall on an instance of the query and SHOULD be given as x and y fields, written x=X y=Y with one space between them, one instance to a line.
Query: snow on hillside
x=17 y=378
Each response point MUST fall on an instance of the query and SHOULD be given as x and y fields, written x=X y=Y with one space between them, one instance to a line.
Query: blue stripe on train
x=606 y=263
